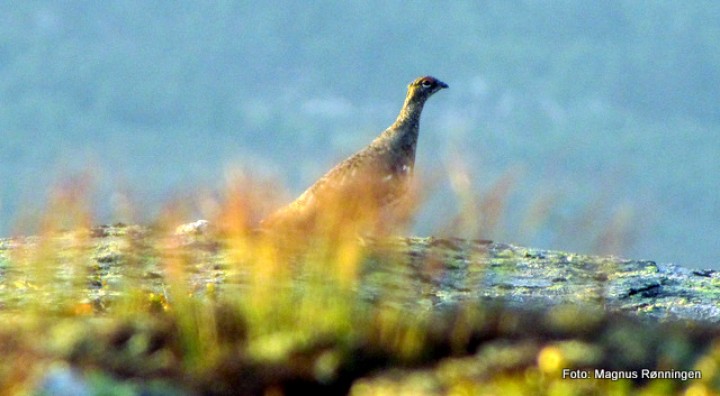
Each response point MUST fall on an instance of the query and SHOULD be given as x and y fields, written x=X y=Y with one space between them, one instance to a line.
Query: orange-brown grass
x=294 y=287
x=303 y=279
x=598 y=228
x=479 y=214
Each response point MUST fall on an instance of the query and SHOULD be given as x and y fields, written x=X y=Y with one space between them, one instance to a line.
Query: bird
x=372 y=179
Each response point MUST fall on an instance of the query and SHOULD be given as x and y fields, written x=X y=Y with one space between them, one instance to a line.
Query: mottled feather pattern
x=384 y=167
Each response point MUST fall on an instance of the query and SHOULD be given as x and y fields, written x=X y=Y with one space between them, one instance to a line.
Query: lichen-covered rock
x=421 y=315
x=449 y=271
x=426 y=272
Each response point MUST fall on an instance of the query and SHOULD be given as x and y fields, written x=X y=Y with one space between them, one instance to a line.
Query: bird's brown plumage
x=374 y=177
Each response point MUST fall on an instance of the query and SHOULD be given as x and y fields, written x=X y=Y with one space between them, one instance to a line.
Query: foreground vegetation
x=128 y=310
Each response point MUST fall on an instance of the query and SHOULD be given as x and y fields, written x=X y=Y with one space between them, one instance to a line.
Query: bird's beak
x=442 y=84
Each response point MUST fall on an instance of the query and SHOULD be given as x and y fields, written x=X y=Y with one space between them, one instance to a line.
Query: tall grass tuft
x=205 y=305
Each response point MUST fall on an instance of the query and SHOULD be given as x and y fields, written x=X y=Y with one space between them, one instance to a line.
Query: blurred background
x=574 y=125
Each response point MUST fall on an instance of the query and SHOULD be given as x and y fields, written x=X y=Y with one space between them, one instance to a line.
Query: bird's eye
x=426 y=83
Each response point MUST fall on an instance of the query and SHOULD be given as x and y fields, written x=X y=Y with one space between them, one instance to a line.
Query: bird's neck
x=409 y=116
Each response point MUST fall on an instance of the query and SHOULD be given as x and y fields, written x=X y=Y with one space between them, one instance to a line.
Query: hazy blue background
x=605 y=114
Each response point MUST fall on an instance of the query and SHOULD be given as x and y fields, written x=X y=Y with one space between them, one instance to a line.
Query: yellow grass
x=299 y=285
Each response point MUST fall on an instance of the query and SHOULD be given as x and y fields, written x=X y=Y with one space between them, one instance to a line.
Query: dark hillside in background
x=601 y=120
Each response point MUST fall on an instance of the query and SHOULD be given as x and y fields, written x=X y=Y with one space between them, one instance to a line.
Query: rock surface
x=433 y=273
x=476 y=315
x=454 y=270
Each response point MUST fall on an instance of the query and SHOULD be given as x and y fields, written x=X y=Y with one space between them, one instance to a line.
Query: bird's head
x=424 y=87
